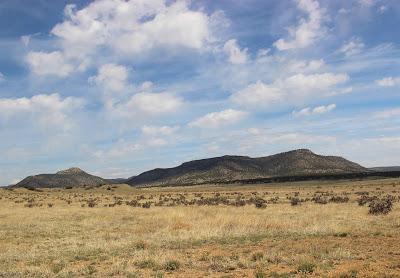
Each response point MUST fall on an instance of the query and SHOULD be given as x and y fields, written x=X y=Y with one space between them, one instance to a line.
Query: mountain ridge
x=233 y=167
x=222 y=169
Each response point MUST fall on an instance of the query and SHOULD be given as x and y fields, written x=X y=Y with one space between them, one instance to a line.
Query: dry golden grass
x=185 y=239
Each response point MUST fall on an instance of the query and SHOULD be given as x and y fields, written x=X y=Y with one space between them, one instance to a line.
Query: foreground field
x=275 y=230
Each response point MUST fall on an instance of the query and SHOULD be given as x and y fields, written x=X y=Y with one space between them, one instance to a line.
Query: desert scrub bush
x=260 y=203
x=146 y=205
x=259 y=273
x=295 y=201
x=319 y=200
x=57 y=267
x=91 y=203
x=365 y=199
x=148 y=263
x=158 y=274
x=141 y=245
x=382 y=206
x=339 y=199
x=172 y=265
x=220 y=264
x=257 y=256
x=350 y=274
x=306 y=267
x=90 y=270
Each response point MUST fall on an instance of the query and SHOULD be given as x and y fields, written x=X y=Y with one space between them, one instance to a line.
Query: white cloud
x=132 y=27
x=2 y=77
x=26 y=40
x=312 y=82
x=157 y=136
x=111 y=77
x=258 y=94
x=308 y=111
x=217 y=119
x=146 y=85
x=354 y=46
x=293 y=89
x=382 y=9
x=52 y=63
x=389 y=113
x=308 y=29
x=366 y=3
x=152 y=103
x=152 y=136
x=388 y=81
x=235 y=54
x=341 y=91
x=263 y=52
x=157 y=142
x=159 y=130
x=47 y=110
x=288 y=140
x=212 y=147
x=254 y=131
x=305 y=66
x=118 y=150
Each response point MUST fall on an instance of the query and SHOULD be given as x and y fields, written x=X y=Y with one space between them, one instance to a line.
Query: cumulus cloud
x=118 y=150
x=218 y=119
x=159 y=130
x=152 y=136
x=47 y=110
x=382 y=9
x=308 y=29
x=254 y=131
x=111 y=77
x=388 y=113
x=388 y=81
x=235 y=54
x=290 y=140
x=301 y=66
x=263 y=52
x=152 y=103
x=308 y=111
x=132 y=27
x=51 y=63
x=351 y=47
x=366 y=3
x=258 y=93
x=312 y=82
x=295 y=88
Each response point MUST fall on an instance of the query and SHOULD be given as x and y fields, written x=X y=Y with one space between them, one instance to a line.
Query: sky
x=118 y=87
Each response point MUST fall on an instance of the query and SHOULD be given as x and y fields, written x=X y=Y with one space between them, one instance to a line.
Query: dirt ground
x=303 y=229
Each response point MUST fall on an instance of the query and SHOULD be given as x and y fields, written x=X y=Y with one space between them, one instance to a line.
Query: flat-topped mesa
x=73 y=170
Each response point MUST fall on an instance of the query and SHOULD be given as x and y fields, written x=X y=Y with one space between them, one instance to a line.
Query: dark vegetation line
x=344 y=176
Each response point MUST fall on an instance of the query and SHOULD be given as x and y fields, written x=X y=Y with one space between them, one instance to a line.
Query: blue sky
x=119 y=87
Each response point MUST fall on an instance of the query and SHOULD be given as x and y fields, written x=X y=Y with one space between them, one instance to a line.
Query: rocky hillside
x=66 y=178
x=229 y=168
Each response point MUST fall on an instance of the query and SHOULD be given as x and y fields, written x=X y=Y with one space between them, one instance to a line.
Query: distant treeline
x=361 y=175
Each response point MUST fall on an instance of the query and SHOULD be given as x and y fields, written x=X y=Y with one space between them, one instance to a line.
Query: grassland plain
x=303 y=229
